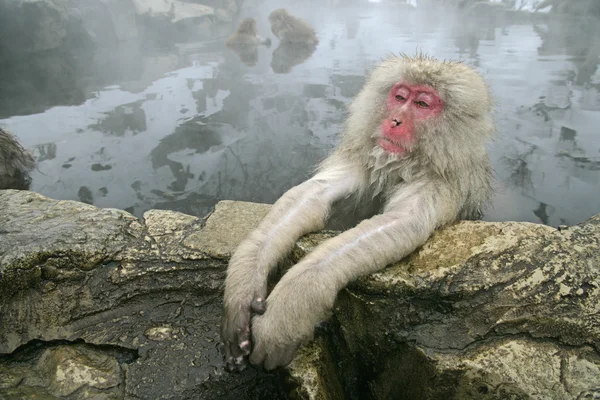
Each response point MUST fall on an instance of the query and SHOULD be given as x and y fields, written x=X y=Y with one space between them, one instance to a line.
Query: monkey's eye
x=400 y=98
x=422 y=104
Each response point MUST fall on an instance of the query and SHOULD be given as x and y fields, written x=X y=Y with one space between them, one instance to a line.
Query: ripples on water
x=183 y=127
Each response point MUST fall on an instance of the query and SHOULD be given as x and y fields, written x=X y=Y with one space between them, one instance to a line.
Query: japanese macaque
x=290 y=29
x=247 y=35
x=416 y=137
x=245 y=41
x=15 y=163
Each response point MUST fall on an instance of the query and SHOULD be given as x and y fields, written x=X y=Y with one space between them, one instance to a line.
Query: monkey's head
x=247 y=26
x=278 y=15
x=423 y=109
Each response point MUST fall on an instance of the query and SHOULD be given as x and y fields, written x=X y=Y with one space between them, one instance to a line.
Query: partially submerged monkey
x=15 y=163
x=247 y=35
x=416 y=134
x=290 y=29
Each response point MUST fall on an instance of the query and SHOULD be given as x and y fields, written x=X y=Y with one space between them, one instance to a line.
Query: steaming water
x=184 y=127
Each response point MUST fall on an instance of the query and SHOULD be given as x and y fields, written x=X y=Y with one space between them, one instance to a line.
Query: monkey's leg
x=306 y=293
x=301 y=210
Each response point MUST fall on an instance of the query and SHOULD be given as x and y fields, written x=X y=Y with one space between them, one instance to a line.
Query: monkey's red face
x=407 y=105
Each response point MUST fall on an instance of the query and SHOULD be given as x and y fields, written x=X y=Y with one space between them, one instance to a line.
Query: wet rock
x=33 y=25
x=67 y=369
x=174 y=10
x=78 y=275
x=220 y=236
x=313 y=373
x=95 y=303
x=226 y=10
x=104 y=22
x=77 y=371
x=482 y=311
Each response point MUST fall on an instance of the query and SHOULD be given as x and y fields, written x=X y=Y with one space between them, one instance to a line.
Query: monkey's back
x=290 y=29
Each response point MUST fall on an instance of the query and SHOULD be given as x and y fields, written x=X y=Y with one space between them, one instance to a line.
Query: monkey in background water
x=247 y=35
x=290 y=29
x=416 y=137
x=245 y=41
x=15 y=163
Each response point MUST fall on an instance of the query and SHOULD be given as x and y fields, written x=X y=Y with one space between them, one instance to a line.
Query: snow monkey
x=290 y=29
x=247 y=35
x=416 y=134
x=15 y=163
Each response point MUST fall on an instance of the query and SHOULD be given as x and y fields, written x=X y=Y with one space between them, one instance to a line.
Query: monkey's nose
x=396 y=122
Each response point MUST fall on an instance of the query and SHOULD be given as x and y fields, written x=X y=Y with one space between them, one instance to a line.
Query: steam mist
x=142 y=107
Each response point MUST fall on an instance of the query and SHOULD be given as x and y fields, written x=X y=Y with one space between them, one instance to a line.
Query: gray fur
x=247 y=35
x=290 y=29
x=446 y=176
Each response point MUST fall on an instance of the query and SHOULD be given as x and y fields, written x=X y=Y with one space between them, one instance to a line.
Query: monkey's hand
x=297 y=304
x=306 y=293
x=300 y=210
x=244 y=296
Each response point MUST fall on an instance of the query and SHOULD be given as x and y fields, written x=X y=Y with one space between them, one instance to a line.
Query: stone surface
x=105 y=22
x=175 y=10
x=481 y=311
x=36 y=26
x=220 y=237
x=70 y=368
x=313 y=374
x=95 y=303
x=33 y=25
x=73 y=274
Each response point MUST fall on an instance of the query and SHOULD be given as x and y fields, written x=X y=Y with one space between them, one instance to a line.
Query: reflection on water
x=187 y=125
x=288 y=55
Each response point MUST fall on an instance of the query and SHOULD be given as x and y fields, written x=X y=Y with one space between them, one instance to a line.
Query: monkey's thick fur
x=444 y=176
x=290 y=29
x=247 y=35
x=15 y=163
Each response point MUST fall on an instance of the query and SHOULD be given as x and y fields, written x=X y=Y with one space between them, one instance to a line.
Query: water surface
x=185 y=125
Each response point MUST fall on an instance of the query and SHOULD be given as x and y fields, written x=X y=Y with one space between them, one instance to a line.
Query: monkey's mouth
x=390 y=146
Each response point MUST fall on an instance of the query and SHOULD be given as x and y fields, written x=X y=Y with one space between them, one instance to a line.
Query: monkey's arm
x=306 y=293
x=301 y=210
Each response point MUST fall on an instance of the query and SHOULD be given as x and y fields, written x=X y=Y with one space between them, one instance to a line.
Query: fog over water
x=183 y=125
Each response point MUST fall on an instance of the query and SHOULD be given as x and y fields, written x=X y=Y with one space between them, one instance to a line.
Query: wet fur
x=446 y=176
x=247 y=35
x=15 y=163
x=290 y=29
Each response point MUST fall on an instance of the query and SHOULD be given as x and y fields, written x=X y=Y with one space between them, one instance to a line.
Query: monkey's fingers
x=244 y=341
x=259 y=306
x=235 y=334
x=232 y=356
